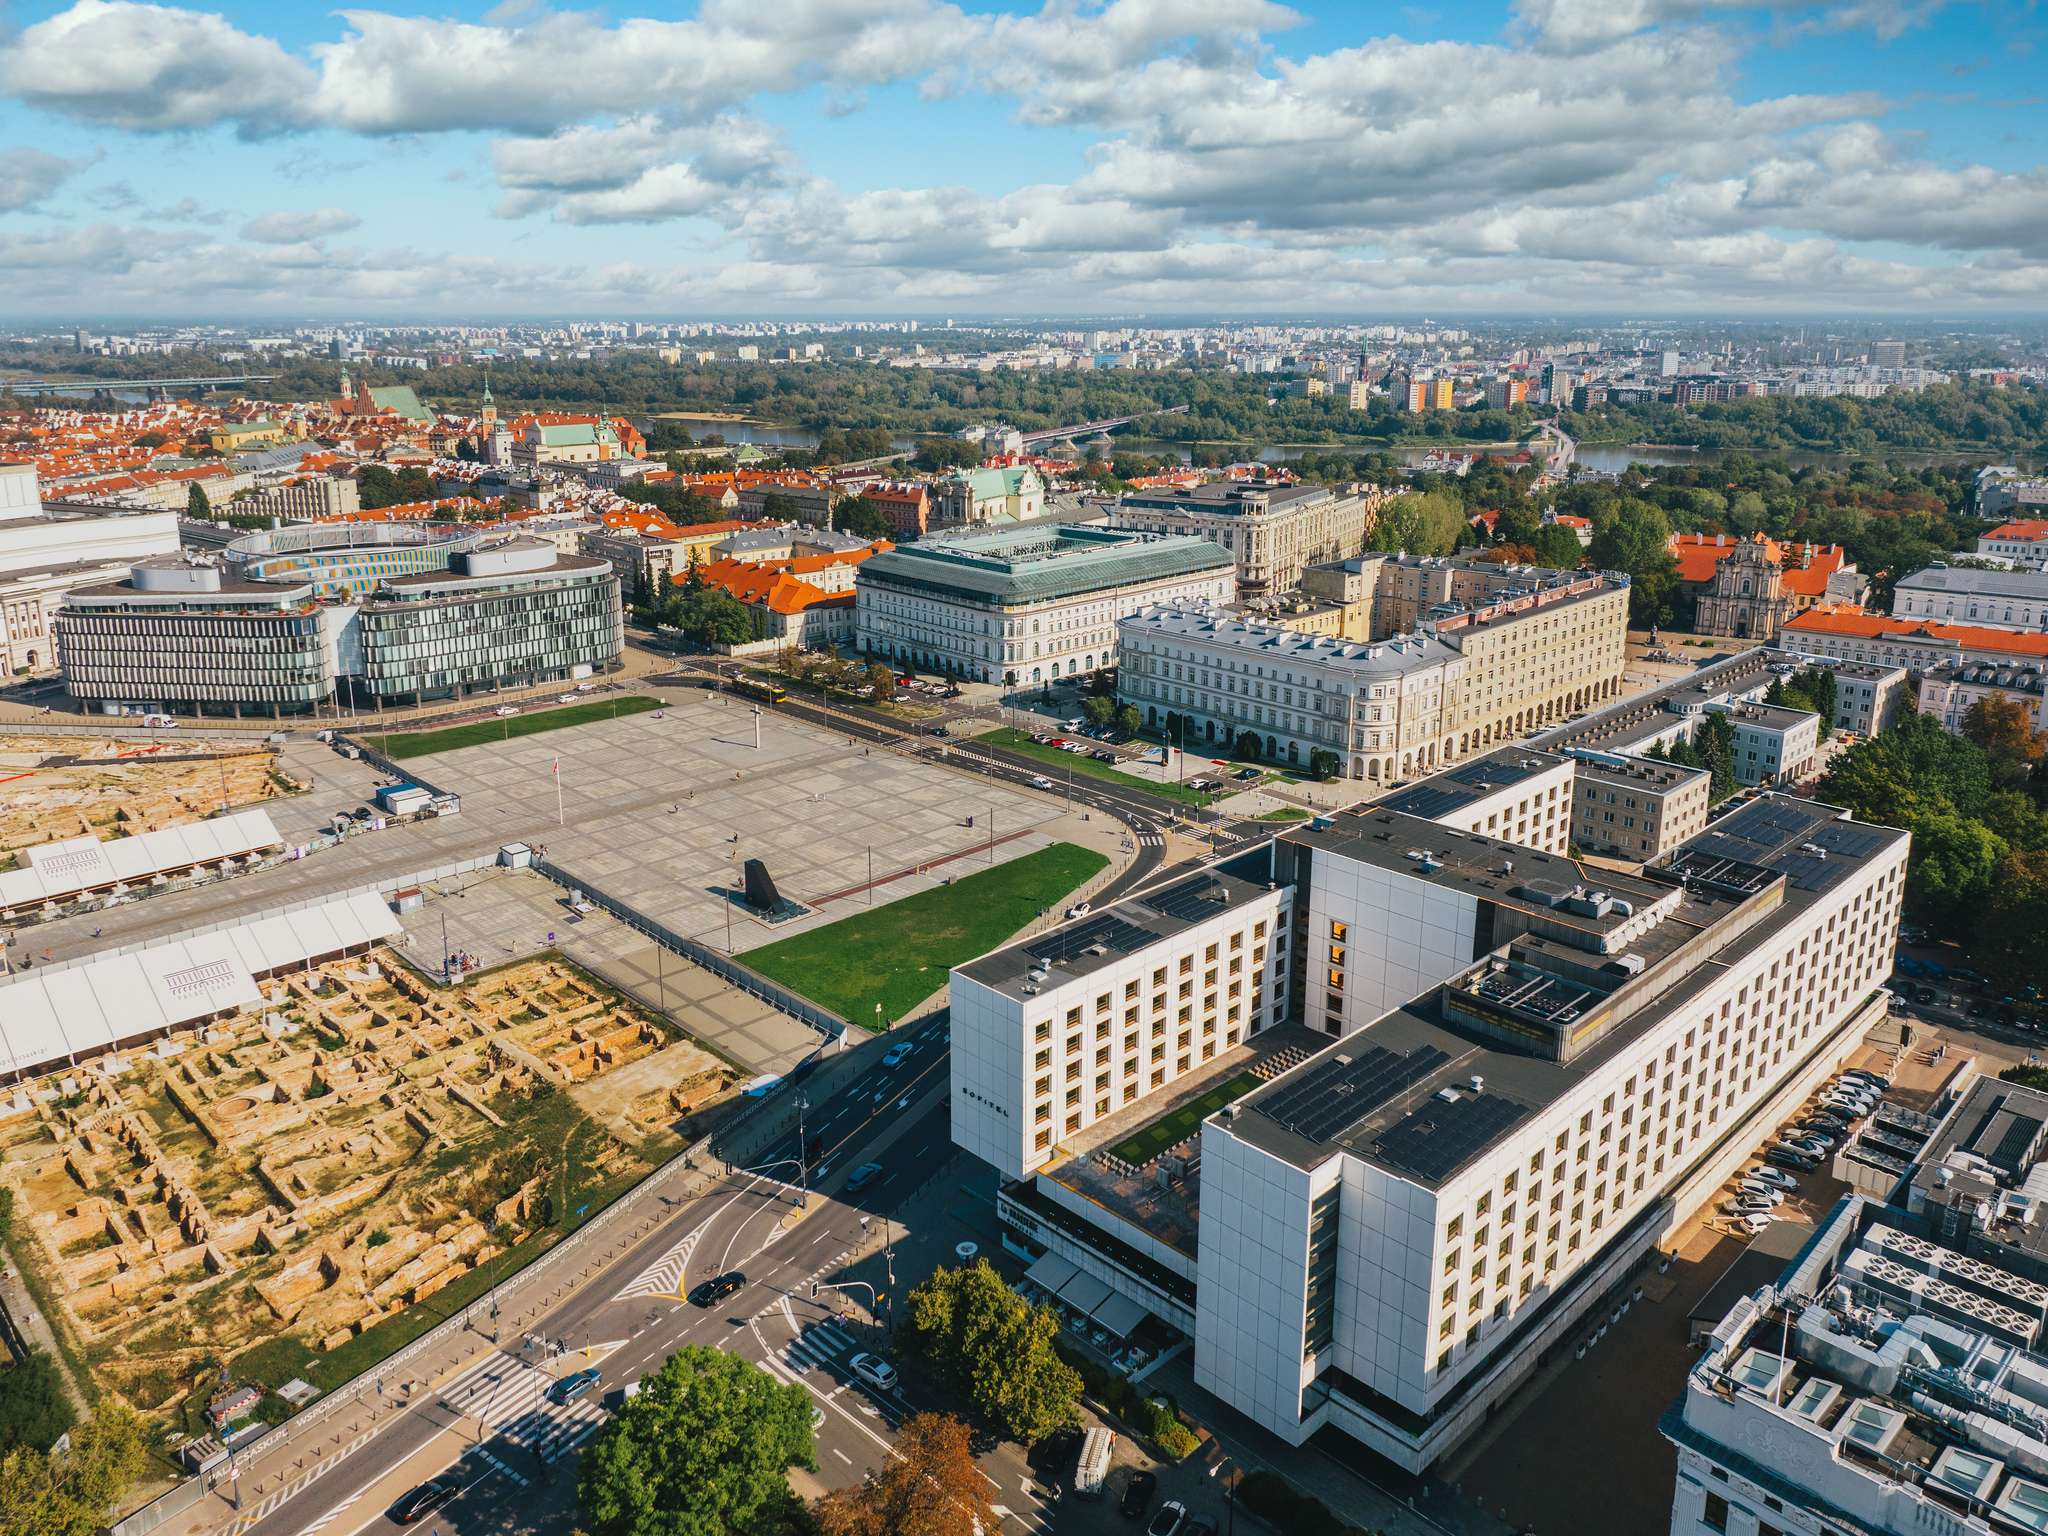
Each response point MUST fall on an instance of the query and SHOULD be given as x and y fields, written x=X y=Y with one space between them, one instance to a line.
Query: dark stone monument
x=761 y=893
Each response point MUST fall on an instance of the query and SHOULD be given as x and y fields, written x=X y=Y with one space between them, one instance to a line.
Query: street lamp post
x=803 y=1161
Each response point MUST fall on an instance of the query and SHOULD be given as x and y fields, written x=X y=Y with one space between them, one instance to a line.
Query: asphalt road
x=494 y=1427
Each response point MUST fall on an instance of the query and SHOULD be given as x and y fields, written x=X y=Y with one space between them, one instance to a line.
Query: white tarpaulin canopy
x=48 y=1016
x=61 y=871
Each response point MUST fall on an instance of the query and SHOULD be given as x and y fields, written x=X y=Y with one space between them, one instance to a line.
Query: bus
x=759 y=688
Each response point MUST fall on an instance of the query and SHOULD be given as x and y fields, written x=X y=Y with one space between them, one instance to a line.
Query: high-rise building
x=1888 y=354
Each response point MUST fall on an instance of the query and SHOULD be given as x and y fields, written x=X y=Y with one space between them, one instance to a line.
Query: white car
x=1040 y=781
x=1777 y=1176
x=1079 y=909
x=507 y=709
x=1753 y=1223
x=874 y=1370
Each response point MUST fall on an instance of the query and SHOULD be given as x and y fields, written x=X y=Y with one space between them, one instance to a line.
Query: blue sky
x=827 y=157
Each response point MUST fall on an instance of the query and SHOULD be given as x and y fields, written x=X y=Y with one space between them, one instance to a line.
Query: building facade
x=1387 y=710
x=1274 y=530
x=1773 y=745
x=975 y=498
x=1948 y=692
x=1994 y=599
x=1749 y=588
x=1027 y=605
x=1636 y=807
x=199 y=635
x=46 y=552
x=2023 y=541
x=1918 y=645
x=1394 y=1232
x=304 y=500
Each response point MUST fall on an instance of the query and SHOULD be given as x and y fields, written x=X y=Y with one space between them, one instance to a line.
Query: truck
x=1091 y=1467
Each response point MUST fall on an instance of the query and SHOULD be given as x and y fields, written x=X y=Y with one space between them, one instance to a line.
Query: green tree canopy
x=704 y=1448
x=72 y=1495
x=1420 y=523
x=862 y=518
x=997 y=1348
x=1635 y=536
x=33 y=1409
x=196 y=502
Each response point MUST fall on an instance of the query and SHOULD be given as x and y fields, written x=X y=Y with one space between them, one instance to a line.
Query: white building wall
x=1535 y=812
x=1385 y=1274
x=1251 y=1281
x=1401 y=936
x=990 y=1071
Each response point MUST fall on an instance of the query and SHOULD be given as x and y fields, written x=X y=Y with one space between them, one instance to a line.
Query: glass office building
x=191 y=635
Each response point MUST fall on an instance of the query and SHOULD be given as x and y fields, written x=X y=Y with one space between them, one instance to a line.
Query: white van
x=1091 y=1467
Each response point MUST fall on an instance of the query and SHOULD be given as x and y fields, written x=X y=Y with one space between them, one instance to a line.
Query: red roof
x=1807 y=567
x=2032 y=529
x=1837 y=620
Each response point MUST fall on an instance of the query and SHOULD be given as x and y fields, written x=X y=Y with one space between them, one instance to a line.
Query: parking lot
x=1612 y=1395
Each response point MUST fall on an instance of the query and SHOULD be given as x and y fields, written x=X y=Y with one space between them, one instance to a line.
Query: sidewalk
x=306 y=1447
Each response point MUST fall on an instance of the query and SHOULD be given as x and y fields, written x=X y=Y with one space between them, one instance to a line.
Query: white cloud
x=153 y=68
x=283 y=228
x=641 y=170
x=1571 y=23
x=27 y=176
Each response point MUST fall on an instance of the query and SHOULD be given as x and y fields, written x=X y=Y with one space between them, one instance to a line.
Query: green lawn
x=1285 y=813
x=898 y=955
x=1086 y=767
x=1177 y=1127
x=530 y=721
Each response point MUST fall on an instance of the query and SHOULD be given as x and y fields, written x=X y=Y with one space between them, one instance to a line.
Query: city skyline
x=880 y=157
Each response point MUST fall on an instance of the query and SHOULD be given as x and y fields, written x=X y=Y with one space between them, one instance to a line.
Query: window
x=1715 y=1515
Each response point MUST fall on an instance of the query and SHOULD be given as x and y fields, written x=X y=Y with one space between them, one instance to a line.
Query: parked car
x=425 y=1499
x=1171 y=1517
x=573 y=1386
x=1754 y=1222
x=1773 y=1176
x=1246 y=773
x=1137 y=1495
x=862 y=1177
x=1876 y=1080
x=710 y=1293
x=1786 y=1157
x=874 y=1370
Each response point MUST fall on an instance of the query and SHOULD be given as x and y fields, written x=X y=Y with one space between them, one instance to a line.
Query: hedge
x=1278 y=1502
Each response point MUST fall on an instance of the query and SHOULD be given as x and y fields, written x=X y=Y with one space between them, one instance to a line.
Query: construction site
x=229 y=1205
x=55 y=787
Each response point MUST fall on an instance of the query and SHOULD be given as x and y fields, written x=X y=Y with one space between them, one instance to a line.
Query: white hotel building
x=1543 y=1070
x=1030 y=604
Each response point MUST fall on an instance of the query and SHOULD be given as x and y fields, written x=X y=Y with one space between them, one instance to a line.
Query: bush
x=1274 y=1499
x=1158 y=1421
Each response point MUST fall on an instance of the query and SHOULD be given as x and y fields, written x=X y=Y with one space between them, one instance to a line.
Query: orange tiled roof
x=1834 y=619
x=1807 y=567
x=2033 y=528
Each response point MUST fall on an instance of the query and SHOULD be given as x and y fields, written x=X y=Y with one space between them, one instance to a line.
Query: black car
x=424 y=1500
x=711 y=1292
x=1137 y=1495
x=1053 y=1457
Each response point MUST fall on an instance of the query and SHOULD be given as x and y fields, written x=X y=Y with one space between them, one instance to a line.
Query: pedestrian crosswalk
x=510 y=1397
x=820 y=1345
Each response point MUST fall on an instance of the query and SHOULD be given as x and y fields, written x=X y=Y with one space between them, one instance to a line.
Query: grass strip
x=898 y=955
x=399 y=745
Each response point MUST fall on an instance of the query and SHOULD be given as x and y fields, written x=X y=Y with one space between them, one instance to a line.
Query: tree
x=1635 y=537
x=2015 y=930
x=1953 y=860
x=1100 y=711
x=704 y=1448
x=931 y=1487
x=33 y=1409
x=1324 y=763
x=1420 y=522
x=780 y=507
x=1714 y=741
x=713 y=616
x=1246 y=746
x=997 y=1348
x=72 y=1495
x=1557 y=548
x=862 y=518
x=1128 y=719
x=196 y=503
x=2003 y=730
x=935 y=454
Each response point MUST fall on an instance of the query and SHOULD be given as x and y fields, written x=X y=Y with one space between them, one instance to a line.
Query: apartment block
x=1950 y=691
x=1773 y=745
x=1635 y=807
x=1274 y=529
x=306 y=500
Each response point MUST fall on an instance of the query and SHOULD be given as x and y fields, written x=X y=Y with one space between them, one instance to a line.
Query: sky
x=1087 y=158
